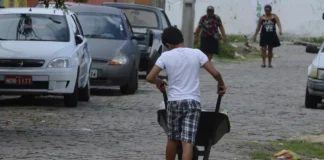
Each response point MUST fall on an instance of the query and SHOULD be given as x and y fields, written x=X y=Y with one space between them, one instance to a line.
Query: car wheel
x=84 y=93
x=132 y=85
x=71 y=100
x=311 y=100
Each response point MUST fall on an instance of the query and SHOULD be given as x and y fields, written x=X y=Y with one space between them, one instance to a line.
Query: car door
x=82 y=53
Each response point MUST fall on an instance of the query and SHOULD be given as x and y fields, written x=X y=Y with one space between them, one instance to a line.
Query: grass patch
x=306 y=150
x=236 y=38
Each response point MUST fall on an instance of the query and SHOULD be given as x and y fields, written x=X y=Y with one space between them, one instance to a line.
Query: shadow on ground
x=38 y=101
x=105 y=92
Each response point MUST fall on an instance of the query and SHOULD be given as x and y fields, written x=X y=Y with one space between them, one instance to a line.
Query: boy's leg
x=174 y=119
x=171 y=149
x=189 y=127
x=187 y=151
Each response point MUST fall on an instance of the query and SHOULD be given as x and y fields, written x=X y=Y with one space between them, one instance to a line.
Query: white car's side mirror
x=78 y=39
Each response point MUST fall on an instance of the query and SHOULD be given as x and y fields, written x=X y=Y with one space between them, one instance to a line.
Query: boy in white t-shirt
x=182 y=66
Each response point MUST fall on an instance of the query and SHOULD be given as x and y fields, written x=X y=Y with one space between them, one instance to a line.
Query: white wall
x=302 y=18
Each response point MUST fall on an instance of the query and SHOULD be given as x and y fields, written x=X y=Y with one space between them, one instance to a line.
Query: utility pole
x=188 y=16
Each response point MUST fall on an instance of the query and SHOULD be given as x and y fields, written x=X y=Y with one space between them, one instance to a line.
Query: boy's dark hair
x=172 y=35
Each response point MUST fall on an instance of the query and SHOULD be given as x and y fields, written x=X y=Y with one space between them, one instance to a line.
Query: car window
x=34 y=27
x=165 y=21
x=142 y=18
x=105 y=26
x=78 y=25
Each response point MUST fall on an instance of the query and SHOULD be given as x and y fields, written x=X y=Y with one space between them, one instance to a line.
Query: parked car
x=315 y=82
x=113 y=46
x=149 y=22
x=43 y=52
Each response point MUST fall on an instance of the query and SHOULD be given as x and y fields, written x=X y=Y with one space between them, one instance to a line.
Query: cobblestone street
x=262 y=103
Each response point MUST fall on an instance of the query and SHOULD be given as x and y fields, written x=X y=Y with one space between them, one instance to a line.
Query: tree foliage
x=60 y=3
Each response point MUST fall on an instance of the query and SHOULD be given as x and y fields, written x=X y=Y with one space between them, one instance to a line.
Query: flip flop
x=263 y=66
x=270 y=66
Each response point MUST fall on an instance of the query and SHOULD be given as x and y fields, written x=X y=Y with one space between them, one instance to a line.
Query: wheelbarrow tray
x=211 y=128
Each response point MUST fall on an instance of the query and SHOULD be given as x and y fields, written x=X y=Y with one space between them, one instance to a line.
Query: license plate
x=18 y=79
x=93 y=73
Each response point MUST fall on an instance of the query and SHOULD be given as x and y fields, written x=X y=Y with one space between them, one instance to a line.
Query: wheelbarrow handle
x=219 y=99
x=165 y=99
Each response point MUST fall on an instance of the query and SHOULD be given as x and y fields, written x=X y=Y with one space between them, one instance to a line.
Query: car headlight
x=320 y=74
x=60 y=63
x=119 y=59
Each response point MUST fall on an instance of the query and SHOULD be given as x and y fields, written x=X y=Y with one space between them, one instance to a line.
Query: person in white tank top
x=183 y=67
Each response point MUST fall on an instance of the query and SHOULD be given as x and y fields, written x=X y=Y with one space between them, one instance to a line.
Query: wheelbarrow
x=212 y=126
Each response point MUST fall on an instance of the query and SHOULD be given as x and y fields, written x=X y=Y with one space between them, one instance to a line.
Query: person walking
x=268 y=37
x=183 y=67
x=209 y=25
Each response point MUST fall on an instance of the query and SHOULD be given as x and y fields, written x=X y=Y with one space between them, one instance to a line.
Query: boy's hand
x=221 y=90
x=161 y=85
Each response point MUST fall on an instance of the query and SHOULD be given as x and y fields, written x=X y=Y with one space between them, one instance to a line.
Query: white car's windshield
x=33 y=27
x=104 y=26
x=141 y=18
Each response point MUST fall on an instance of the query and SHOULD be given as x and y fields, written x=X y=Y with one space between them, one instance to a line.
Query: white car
x=43 y=52
x=315 y=82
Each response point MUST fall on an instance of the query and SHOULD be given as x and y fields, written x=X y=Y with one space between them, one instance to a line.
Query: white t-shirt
x=183 y=67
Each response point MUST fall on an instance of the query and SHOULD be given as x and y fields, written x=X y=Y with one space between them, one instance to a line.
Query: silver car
x=113 y=46
x=43 y=52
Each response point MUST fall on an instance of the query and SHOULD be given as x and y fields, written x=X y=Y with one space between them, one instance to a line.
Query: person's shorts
x=183 y=118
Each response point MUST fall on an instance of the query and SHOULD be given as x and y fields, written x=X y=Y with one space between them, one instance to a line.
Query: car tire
x=132 y=85
x=311 y=100
x=84 y=93
x=71 y=100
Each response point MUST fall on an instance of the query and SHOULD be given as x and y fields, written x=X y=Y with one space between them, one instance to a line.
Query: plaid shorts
x=182 y=118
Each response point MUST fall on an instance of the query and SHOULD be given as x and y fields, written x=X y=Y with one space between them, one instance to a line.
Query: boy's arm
x=217 y=76
x=152 y=76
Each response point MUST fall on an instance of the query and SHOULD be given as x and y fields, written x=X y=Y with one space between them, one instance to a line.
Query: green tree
x=60 y=3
